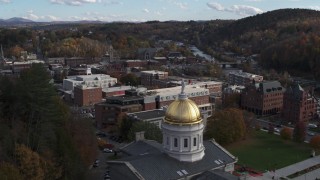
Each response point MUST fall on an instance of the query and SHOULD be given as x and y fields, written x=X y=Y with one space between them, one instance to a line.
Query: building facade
x=94 y=80
x=147 y=77
x=243 y=78
x=299 y=105
x=265 y=98
x=86 y=96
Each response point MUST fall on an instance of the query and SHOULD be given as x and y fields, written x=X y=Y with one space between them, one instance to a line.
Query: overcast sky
x=144 y=10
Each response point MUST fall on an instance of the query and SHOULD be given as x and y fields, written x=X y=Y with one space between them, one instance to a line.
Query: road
x=265 y=125
x=97 y=173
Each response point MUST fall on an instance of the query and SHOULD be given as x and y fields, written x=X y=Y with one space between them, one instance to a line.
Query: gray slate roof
x=271 y=87
x=148 y=159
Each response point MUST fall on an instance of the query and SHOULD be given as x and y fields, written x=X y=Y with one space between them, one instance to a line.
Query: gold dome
x=183 y=112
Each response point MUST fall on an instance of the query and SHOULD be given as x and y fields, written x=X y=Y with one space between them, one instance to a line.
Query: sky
x=143 y=10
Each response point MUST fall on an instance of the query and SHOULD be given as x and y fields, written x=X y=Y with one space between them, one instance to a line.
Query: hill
x=287 y=39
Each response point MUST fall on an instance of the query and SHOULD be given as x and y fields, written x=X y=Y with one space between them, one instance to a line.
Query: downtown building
x=264 y=98
x=299 y=105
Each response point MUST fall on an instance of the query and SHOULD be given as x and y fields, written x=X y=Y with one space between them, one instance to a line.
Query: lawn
x=265 y=151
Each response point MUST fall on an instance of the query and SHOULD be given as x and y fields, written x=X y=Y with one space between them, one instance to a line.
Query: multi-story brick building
x=263 y=98
x=298 y=105
x=134 y=101
x=243 y=78
x=148 y=77
x=108 y=112
x=86 y=96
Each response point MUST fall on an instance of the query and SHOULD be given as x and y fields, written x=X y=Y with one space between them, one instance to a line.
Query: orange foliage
x=286 y=133
x=315 y=142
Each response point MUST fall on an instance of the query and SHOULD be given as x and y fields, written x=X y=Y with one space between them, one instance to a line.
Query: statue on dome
x=183 y=85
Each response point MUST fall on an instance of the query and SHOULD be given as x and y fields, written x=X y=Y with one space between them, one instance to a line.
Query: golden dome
x=183 y=112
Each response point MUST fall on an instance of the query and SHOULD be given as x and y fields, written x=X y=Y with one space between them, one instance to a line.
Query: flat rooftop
x=144 y=115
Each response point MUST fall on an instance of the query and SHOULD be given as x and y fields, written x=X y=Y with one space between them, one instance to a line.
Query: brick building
x=263 y=98
x=108 y=112
x=298 y=104
x=148 y=77
x=136 y=100
x=86 y=96
x=77 y=61
x=243 y=78
x=159 y=98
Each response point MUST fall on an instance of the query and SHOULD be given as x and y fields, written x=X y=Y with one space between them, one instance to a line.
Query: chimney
x=140 y=136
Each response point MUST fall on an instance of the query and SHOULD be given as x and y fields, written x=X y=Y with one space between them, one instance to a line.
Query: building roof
x=189 y=89
x=145 y=115
x=114 y=89
x=153 y=72
x=148 y=161
x=270 y=87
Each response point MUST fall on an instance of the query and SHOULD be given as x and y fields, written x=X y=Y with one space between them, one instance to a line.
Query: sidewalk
x=286 y=171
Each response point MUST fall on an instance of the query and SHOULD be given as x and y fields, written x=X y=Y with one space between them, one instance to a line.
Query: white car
x=107 y=150
x=310 y=125
x=276 y=130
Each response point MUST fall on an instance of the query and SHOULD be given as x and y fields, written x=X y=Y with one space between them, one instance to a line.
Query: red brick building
x=85 y=96
x=298 y=105
x=107 y=113
x=263 y=98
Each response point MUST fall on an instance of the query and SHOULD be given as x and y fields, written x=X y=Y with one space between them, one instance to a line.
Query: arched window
x=185 y=142
x=194 y=141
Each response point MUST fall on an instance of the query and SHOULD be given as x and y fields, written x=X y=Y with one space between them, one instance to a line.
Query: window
x=194 y=141
x=167 y=140
x=175 y=143
x=185 y=143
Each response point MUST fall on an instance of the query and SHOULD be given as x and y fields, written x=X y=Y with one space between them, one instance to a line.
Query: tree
x=286 y=133
x=9 y=171
x=125 y=124
x=152 y=131
x=315 y=142
x=299 y=132
x=30 y=163
x=226 y=126
x=130 y=79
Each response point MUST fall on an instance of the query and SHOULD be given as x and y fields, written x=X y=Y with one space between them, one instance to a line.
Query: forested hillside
x=274 y=35
x=39 y=138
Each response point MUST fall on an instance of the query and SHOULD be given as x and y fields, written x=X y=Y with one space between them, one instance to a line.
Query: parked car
x=276 y=130
x=101 y=134
x=310 y=125
x=107 y=150
x=96 y=163
x=311 y=133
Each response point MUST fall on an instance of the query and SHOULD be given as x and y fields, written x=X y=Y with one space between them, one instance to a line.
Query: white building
x=94 y=80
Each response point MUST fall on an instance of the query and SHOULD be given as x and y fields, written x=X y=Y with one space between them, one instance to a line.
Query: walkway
x=286 y=171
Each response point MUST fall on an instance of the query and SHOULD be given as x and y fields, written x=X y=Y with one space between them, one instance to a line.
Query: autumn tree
x=315 y=142
x=9 y=171
x=286 y=133
x=226 y=126
x=299 y=132
x=30 y=163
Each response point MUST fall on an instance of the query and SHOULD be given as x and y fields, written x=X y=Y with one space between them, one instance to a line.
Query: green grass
x=265 y=151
